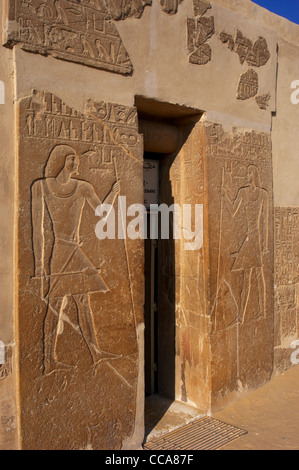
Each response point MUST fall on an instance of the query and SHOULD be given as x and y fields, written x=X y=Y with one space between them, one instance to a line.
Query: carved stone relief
x=170 y=6
x=7 y=422
x=241 y=243
x=66 y=29
x=255 y=54
x=6 y=367
x=78 y=340
x=263 y=101
x=199 y=31
x=286 y=283
x=248 y=85
x=200 y=7
x=122 y=9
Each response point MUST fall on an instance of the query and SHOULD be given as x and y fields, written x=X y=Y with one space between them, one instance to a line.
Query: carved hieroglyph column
x=79 y=303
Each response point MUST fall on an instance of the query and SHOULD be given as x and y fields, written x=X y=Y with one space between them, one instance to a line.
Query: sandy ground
x=270 y=415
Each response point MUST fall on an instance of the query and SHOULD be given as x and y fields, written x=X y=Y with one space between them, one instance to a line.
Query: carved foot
x=52 y=367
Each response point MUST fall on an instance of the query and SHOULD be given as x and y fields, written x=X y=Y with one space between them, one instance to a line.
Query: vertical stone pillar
x=183 y=313
x=240 y=213
x=79 y=302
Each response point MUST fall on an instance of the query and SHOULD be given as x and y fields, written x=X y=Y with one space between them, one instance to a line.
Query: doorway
x=160 y=280
x=165 y=128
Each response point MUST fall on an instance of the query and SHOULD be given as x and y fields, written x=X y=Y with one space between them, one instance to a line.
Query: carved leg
x=262 y=291
x=246 y=292
x=51 y=324
x=86 y=324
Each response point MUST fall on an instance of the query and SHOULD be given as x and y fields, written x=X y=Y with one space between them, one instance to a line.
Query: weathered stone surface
x=241 y=263
x=263 y=101
x=202 y=55
x=122 y=9
x=170 y=6
x=259 y=54
x=286 y=284
x=68 y=30
x=79 y=303
x=200 y=7
x=6 y=367
x=8 y=424
x=200 y=30
x=248 y=85
x=255 y=54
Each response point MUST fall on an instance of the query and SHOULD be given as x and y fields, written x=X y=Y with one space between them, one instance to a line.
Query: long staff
x=126 y=249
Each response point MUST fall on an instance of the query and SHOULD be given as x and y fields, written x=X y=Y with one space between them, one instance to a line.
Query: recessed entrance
x=165 y=128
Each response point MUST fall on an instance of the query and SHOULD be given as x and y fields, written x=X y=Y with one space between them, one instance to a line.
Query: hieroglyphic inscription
x=66 y=29
x=286 y=245
x=199 y=30
x=248 y=85
x=49 y=118
x=170 y=6
x=255 y=54
x=247 y=146
x=286 y=277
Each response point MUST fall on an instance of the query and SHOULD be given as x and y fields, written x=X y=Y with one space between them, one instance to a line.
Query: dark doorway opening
x=165 y=128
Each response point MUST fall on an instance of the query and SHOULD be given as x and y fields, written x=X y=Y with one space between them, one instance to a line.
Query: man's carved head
x=62 y=156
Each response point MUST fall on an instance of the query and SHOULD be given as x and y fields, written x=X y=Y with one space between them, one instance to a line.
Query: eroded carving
x=248 y=85
x=253 y=201
x=255 y=54
x=286 y=245
x=170 y=6
x=66 y=29
x=122 y=9
x=286 y=282
x=200 y=7
x=6 y=366
x=7 y=420
x=241 y=262
x=200 y=30
x=240 y=160
x=248 y=146
x=263 y=101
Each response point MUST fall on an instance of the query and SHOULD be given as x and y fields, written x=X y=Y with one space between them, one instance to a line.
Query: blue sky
x=287 y=8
